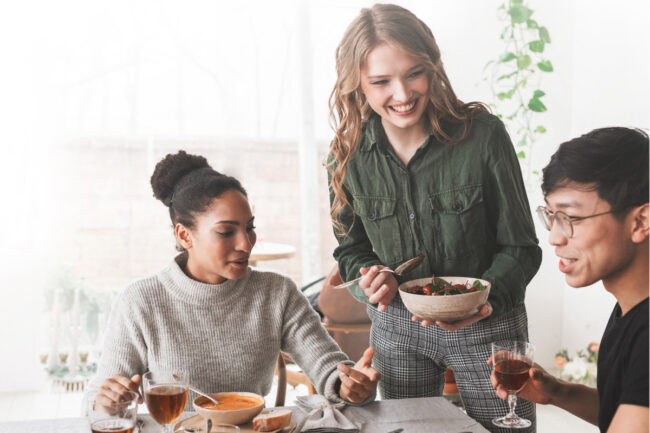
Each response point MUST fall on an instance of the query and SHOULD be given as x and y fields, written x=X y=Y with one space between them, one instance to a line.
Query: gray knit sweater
x=225 y=336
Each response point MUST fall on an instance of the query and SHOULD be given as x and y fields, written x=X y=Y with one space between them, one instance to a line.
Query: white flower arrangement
x=580 y=369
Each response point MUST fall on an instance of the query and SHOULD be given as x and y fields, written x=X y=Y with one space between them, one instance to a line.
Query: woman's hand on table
x=360 y=382
x=483 y=312
x=541 y=388
x=379 y=287
x=114 y=389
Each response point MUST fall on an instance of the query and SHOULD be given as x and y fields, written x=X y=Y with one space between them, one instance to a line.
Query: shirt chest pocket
x=460 y=221
x=379 y=218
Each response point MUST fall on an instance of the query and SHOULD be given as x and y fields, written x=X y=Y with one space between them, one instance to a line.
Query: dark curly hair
x=187 y=184
x=611 y=161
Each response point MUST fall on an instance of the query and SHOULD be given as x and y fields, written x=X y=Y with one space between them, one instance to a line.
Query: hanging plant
x=515 y=77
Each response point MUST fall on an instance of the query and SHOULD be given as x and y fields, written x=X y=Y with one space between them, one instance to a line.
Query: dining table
x=412 y=415
x=265 y=250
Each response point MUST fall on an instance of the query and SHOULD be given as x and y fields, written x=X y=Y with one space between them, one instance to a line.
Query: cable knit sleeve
x=307 y=342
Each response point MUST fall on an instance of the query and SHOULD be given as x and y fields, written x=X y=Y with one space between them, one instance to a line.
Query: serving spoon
x=404 y=269
x=213 y=400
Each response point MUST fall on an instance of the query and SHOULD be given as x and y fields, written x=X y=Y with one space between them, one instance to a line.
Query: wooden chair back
x=281 y=371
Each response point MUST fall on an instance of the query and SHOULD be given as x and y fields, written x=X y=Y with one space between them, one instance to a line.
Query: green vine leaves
x=515 y=77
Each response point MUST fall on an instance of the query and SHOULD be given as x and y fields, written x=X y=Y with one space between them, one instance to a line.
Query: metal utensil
x=213 y=400
x=403 y=269
x=209 y=425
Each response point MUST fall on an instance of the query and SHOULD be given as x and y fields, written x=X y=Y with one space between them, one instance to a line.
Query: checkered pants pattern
x=412 y=360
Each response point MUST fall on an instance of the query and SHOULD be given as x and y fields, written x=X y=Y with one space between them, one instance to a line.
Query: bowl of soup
x=447 y=299
x=234 y=407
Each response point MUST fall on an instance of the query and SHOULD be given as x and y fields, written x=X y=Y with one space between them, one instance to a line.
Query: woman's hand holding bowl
x=483 y=312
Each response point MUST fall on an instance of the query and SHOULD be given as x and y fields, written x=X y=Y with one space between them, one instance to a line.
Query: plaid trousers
x=413 y=359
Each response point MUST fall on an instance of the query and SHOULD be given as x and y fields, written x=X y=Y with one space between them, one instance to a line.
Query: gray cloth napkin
x=323 y=416
x=414 y=415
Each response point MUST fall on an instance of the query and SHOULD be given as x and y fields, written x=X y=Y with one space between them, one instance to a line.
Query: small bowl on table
x=445 y=308
x=225 y=415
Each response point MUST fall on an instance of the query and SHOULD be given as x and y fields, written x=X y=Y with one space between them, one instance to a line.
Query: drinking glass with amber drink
x=512 y=361
x=165 y=395
x=113 y=417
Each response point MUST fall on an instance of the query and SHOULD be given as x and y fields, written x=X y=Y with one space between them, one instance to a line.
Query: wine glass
x=165 y=396
x=114 y=417
x=512 y=361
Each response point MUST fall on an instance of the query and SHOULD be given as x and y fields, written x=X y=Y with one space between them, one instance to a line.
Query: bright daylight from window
x=95 y=93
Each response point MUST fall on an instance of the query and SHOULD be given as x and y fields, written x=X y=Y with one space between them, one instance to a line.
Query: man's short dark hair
x=611 y=161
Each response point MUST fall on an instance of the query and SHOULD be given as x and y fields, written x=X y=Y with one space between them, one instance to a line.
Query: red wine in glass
x=512 y=374
x=512 y=361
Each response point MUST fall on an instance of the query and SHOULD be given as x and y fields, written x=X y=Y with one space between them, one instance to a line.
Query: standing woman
x=413 y=170
x=208 y=313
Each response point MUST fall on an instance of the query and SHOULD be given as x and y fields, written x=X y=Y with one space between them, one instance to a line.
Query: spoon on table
x=403 y=269
x=213 y=400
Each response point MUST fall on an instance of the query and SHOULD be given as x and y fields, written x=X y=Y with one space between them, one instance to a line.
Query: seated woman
x=210 y=315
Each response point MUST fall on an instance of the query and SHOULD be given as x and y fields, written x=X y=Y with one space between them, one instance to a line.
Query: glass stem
x=512 y=402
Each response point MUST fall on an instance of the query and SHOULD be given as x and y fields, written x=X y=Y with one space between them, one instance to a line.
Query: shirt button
x=458 y=207
x=412 y=216
x=371 y=216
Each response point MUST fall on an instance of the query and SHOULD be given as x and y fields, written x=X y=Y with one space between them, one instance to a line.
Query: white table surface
x=416 y=415
x=264 y=250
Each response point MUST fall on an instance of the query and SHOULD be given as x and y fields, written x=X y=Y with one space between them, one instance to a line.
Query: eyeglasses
x=564 y=221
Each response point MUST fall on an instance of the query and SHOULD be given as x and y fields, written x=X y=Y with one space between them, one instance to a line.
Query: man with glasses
x=596 y=193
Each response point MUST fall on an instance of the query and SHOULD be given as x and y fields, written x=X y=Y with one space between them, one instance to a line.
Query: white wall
x=610 y=62
x=611 y=87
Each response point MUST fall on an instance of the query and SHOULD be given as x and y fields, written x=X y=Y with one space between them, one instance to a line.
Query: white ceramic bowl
x=448 y=308
x=235 y=416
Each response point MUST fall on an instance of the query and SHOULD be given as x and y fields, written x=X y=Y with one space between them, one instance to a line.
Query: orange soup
x=232 y=402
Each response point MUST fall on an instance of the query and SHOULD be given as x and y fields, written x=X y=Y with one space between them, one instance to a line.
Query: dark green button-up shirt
x=464 y=206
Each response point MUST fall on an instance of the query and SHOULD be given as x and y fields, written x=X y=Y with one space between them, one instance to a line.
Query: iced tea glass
x=114 y=417
x=165 y=395
x=512 y=361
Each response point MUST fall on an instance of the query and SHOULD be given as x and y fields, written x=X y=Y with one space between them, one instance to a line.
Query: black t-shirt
x=623 y=362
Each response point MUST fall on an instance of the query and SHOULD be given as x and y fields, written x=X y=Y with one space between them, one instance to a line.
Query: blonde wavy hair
x=349 y=110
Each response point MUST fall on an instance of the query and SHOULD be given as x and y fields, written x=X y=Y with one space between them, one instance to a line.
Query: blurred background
x=94 y=93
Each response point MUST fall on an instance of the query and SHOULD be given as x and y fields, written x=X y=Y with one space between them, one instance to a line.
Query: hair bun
x=170 y=170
